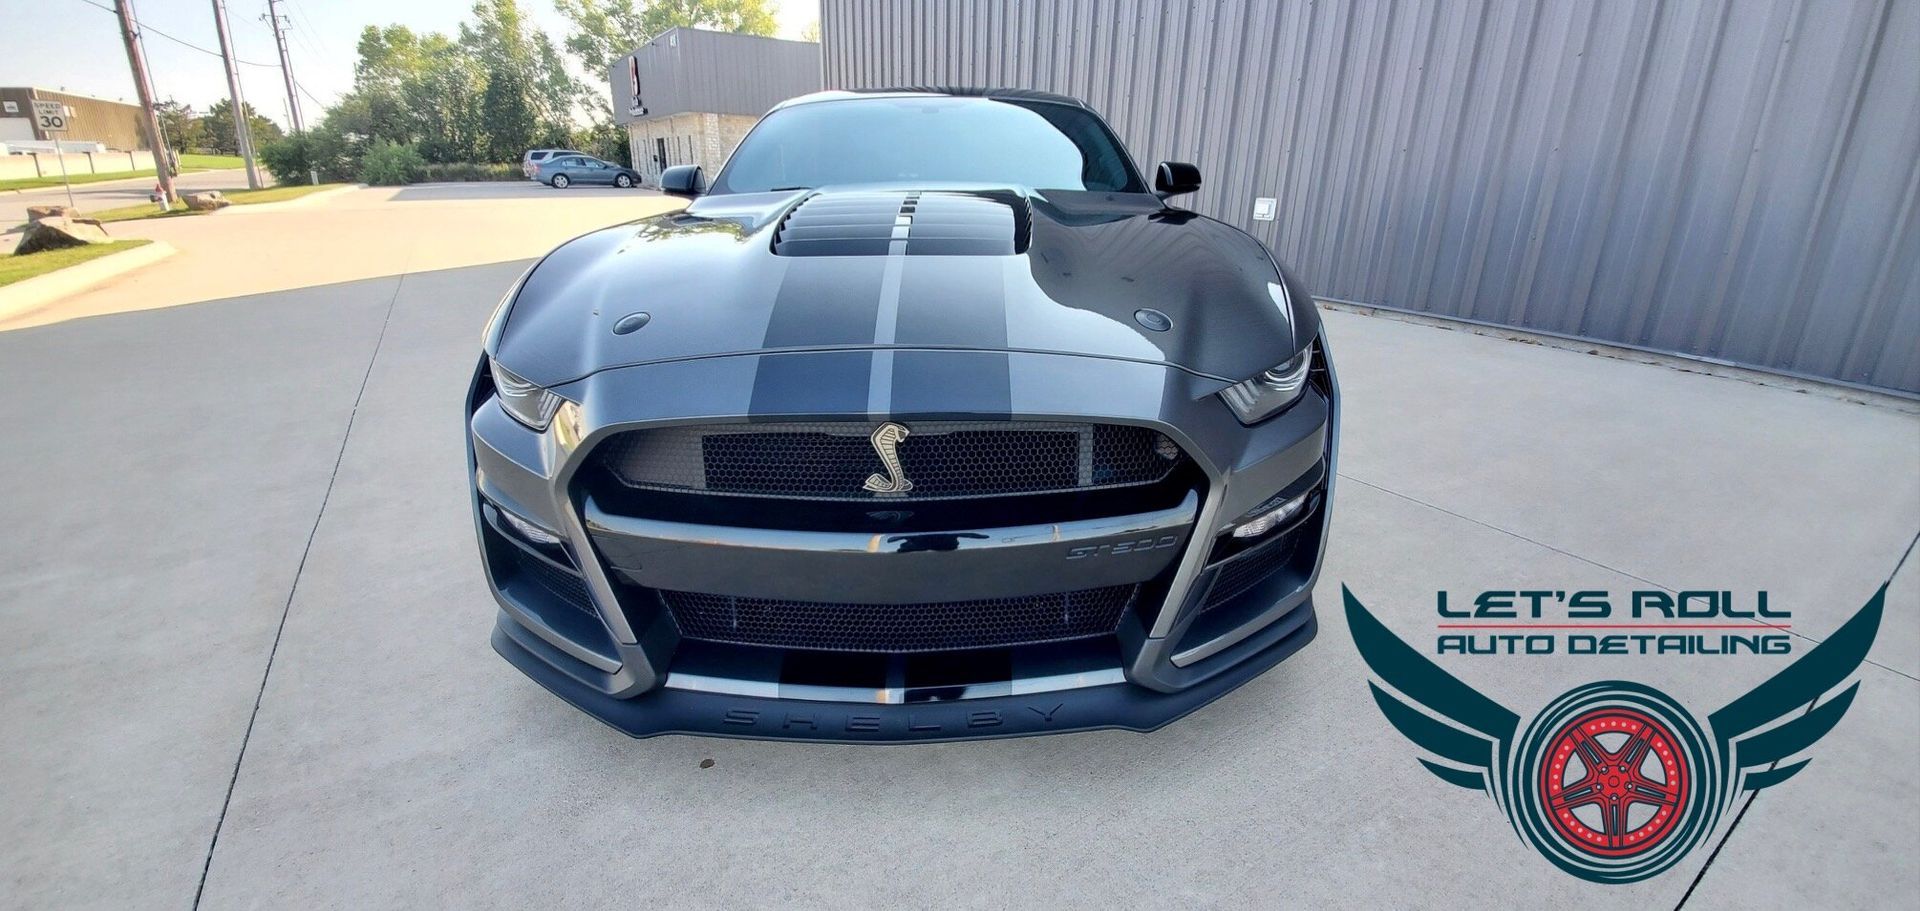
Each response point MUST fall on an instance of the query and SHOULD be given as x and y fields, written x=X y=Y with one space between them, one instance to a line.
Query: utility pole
x=279 y=24
x=138 y=59
x=242 y=131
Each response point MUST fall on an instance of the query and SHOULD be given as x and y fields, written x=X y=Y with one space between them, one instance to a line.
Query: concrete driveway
x=248 y=661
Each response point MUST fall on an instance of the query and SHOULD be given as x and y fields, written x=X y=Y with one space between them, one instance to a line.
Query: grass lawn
x=14 y=268
x=187 y=163
x=210 y=162
x=237 y=197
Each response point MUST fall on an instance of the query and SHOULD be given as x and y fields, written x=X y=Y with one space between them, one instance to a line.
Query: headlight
x=1268 y=394
x=529 y=404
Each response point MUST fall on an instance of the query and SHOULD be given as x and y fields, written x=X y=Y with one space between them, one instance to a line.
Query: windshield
x=1037 y=144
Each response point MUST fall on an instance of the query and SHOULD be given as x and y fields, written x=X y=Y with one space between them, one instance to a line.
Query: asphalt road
x=113 y=194
x=247 y=659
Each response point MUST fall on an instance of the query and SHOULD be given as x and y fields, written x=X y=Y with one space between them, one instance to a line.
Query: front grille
x=942 y=459
x=923 y=627
x=1241 y=573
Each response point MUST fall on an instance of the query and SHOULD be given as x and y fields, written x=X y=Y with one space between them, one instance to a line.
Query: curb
x=31 y=294
x=306 y=200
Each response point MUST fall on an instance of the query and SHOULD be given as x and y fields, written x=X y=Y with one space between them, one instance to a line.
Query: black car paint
x=713 y=285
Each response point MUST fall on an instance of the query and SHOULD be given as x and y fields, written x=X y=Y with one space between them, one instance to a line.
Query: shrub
x=333 y=156
x=287 y=159
x=389 y=164
x=468 y=170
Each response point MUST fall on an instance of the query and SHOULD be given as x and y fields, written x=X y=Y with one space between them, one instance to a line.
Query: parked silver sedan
x=563 y=171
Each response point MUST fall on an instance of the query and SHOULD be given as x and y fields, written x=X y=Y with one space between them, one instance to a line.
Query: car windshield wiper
x=785 y=189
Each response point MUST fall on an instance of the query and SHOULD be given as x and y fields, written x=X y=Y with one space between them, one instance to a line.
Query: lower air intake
x=566 y=586
x=923 y=627
x=1244 y=571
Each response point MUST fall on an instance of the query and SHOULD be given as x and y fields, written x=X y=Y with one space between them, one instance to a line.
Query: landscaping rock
x=206 y=201
x=57 y=233
x=35 y=213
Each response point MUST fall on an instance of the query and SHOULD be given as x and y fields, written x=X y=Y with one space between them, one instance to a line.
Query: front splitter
x=671 y=711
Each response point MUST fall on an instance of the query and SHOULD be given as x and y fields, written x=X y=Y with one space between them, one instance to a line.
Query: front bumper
x=669 y=710
x=630 y=667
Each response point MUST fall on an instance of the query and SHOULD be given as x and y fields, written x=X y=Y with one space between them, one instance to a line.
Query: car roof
x=949 y=91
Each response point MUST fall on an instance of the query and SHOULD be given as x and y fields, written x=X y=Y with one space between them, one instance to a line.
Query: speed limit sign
x=51 y=116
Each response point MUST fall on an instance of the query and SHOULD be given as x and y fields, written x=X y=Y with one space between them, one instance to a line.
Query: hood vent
x=912 y=224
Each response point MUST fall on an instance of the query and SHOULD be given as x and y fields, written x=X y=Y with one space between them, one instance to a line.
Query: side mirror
x=683 y=180
x=1173 y=178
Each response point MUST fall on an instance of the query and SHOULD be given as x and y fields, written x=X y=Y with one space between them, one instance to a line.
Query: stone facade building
x=689 y=95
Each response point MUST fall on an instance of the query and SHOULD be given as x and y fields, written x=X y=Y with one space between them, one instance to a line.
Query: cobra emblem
x=886 y=441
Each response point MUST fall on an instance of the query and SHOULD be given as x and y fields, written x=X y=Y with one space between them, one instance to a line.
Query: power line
x=179 y=41
x=300 y=35
x=324 y=47
x=303 y=91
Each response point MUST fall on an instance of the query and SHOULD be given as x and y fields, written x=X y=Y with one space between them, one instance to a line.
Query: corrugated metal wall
x=1730 y=179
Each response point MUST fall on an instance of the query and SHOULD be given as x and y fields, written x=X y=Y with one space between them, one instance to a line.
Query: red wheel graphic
x=1645 y=769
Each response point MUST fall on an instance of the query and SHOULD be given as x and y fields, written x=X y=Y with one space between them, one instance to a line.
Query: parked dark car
x=928 y=418
x=563 y=171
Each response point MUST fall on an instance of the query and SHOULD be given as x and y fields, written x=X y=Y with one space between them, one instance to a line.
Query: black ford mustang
x=927 y=419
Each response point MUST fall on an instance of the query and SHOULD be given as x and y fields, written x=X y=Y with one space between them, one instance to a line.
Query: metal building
x=689 y=95
x=1733 y=180
x=113 y=124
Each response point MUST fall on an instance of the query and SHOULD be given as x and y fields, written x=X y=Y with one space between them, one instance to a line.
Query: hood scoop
x=910 y=224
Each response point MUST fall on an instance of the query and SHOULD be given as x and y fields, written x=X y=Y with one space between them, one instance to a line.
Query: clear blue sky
x=75 y=46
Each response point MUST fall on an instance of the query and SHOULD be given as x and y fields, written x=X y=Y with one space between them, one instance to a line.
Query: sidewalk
x=340 y=236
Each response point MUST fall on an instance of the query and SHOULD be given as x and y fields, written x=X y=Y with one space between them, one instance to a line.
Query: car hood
x=882 y=267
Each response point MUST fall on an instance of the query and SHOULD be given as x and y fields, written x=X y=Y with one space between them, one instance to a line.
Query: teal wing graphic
x=1751 y=756
x=1470 y=730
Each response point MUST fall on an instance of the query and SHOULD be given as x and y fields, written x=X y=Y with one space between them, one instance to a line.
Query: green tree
x=181 y=126
x=445 y=101
x=605 y=29
x=217 y=125
x=496 y=89
x=389 y=59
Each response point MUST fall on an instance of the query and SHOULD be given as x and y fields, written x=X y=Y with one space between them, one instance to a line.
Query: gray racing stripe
x=946 y=302
x=812 y=383
x=886 y=318
x=826 y=300
x=822 y=301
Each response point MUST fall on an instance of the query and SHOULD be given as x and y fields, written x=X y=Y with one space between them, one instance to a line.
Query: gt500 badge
x=1122 y=547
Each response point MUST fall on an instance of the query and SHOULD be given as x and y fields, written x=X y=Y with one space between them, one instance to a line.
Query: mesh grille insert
x=566 y=586
x=929 y=626
x=1243 y=572
x=942 y=460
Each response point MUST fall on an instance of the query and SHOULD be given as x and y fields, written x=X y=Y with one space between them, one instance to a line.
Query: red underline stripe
x=1616 y=626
